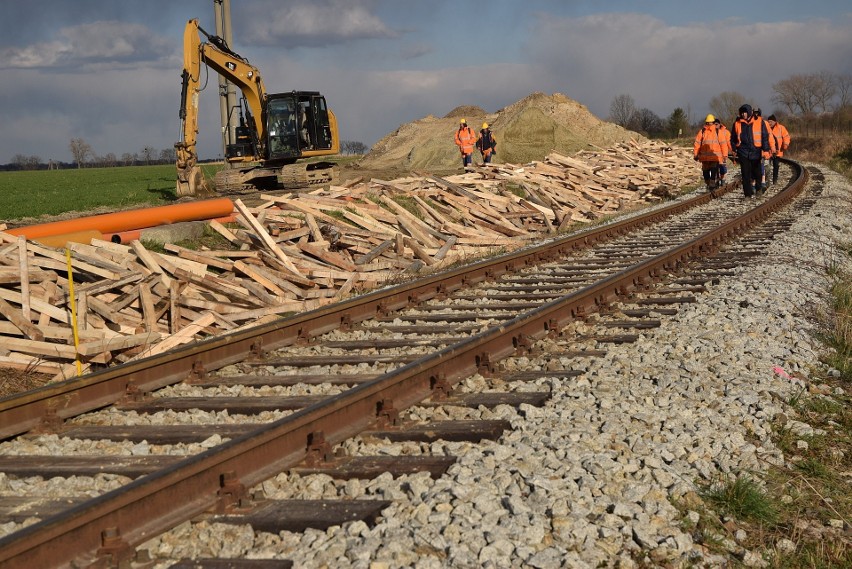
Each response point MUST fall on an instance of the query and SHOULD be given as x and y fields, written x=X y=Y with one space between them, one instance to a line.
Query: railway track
x=311 y=382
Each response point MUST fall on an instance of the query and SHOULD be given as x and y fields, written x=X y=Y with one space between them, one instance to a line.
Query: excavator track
x=295 y=176
x=290 y=177
x=231 y=181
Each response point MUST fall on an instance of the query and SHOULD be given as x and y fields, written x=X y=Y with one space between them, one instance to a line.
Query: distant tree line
x=84 y=157
x=815 y=98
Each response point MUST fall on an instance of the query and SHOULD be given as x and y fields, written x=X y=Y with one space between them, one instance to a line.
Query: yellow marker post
x=73 y=301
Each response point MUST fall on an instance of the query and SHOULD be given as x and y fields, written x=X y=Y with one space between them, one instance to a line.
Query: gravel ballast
x=591 y=478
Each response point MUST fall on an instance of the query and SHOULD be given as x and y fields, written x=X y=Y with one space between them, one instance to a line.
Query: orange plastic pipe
x=132 y=219
x=124 y=236
x=65 y=238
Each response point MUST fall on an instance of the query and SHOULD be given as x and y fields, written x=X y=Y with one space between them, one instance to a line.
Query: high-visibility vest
x=465 y=139
x=707 y=146
x=725 y=139
x=757 y=125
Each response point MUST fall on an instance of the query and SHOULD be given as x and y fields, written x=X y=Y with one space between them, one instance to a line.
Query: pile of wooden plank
x=300 y=251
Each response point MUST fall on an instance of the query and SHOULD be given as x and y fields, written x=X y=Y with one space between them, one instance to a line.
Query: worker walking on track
x=465 y=140
x=766 y=155
x=725 y=141
x=708 y=150
x=749 y=140
x=486 y=143
x=782 y=142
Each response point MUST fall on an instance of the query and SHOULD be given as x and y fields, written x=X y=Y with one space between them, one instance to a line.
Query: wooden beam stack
x=300 y=251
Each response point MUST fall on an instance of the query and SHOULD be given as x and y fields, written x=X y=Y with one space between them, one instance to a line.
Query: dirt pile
x=526 y=130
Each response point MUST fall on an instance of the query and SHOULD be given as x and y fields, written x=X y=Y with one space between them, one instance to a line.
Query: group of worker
x=751 y=142
x=467 y=140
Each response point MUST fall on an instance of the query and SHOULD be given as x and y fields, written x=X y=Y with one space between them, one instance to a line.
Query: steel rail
x=55 y=402
x=105 y=529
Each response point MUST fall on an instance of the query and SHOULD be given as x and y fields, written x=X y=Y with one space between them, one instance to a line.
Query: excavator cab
x=297 y=125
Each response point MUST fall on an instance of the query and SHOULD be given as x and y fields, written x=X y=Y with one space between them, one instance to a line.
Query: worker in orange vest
x=465 y=140
x=708 y=150
x=725 y=141
x=766 y=155
x=749 y=140
x=782 y=142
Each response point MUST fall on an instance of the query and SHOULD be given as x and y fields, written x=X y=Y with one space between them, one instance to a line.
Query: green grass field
x=53 y=192
x=36 y=193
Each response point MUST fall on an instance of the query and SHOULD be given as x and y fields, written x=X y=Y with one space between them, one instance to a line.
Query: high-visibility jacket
x=707 y=147
x=465 y=139
x=781 y=136
x=772 y=145
x=750 y=138
x=725 y=140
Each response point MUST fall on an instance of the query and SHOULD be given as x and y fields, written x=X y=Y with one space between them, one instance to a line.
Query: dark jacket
x=750 y=138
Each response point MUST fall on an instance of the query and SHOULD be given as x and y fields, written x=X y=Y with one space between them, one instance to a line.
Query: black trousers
x=750 y=172
x=775 y=163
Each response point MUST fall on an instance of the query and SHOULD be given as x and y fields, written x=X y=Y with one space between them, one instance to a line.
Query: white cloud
x=318 y=23
x=113 y=43
x=663 y=67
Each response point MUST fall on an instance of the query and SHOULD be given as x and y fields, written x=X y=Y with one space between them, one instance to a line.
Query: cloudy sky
x=108 y=71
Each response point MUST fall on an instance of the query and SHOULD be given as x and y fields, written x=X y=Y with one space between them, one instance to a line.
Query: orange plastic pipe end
x=131 y=219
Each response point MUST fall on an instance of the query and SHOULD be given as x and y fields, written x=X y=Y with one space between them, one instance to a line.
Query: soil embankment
x=526 y=130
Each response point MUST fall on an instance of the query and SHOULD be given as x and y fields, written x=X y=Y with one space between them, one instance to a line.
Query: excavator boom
x=275 y=132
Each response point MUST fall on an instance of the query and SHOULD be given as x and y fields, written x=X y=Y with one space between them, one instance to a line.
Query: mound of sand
x=526 y=130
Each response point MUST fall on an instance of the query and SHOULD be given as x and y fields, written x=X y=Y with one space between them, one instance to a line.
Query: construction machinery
x=276 y=132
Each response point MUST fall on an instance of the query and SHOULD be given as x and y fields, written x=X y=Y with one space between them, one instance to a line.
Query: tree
x=646 y=122
x=22 y=162
x=353 y=147
x=128 y=159
x=677 y=124
x=80 y=151
x=621 y=110
x=168 y=155
x=844 y=82
x=725 y=105
x=806 y=94
x=148 y=154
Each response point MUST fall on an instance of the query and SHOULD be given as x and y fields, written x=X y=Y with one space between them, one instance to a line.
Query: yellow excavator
x=275 y=131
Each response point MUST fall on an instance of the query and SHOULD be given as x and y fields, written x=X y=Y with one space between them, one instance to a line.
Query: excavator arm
x=216 y=54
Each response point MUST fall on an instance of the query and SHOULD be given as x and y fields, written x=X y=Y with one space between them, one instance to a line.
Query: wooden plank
x=118 y=343
x=418 y=251
x=374 y=252
x=256 y=275
x=229 y=235
x=24 y=267
x=55 y=312
x=23 y=323
x=265 y=237
x=186 y=334
x=332 y=258
x=39 y=348
x=148 y=312
x=200 y=257
x=150 y=262
x=75 y=263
